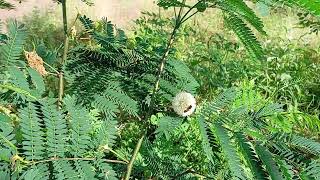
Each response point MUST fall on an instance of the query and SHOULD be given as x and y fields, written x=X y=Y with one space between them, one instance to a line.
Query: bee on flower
x=184 y=104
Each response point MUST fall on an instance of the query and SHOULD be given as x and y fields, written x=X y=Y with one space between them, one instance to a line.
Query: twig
x=117 y=154
x=76 y=159
x=54 y=69
x=190 y=171
x=178 y=23
x=135 y=153
x=186 y=14
x=187 y=18
x=65 y=52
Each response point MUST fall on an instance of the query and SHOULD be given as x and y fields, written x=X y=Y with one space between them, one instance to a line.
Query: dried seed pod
x=73 y=32
x=35 y=62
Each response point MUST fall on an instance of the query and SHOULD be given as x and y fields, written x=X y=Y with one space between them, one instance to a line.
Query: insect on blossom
x=184 y=104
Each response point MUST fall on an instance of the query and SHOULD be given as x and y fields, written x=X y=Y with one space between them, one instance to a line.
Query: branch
x=179 y=21
x=135 y=153
x=186 y=14
x=65 y=51
x=118 y=155
x=190 y=171
x=76 y=159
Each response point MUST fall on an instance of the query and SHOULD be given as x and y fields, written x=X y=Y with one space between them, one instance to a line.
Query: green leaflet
x=247 y=151
x=310 y=5
x=245 y=34
x=6 y=5
x=10 y=52
x=267 y=159
x=166 y=126
x=229 y=151
x=32 y=132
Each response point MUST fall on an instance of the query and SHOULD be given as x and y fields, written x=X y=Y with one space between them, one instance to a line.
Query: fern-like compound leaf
x=286 y=169
x=37 y=82
x=107 y=133
x=84 y=170
x=224 y=100
x=6 y=5
x=37 y=172
x=12 y=49
x=313 y=169
x=32 y=132
x=108 y=107
x=241 y=8
x=229 y=150
x=249 y=155
x=80 y=127
x=7 y=138
x=166 y=126
x=64 y=170
x=204 y=132
x=56 y=134
x=245 y=34
x=106 y=171
x=122 y=100
x=307 y=144
x=267 y=159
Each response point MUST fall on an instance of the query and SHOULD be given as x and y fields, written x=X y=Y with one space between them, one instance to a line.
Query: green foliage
x=49 y=141
x=42 y=24
x=248 y=128
x=12 y=48
x=242 y=133
x=6 y=5
x=310 y=5
x=45 y=141
x=125 y=75
x=228 y=151
x=245 y=35
x=267 y=159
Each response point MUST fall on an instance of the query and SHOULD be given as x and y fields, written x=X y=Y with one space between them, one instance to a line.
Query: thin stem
x=64 y=16
x=118 y=155
x=135 y=153
x=187 y=13
x=155 y=89
x=161 y=68
x=54 y=69
x=8 y=142
x=180 y=12
x=184 y=20
x=179 y=21
x=76 y=159
x=190 y=171
x=65 y=52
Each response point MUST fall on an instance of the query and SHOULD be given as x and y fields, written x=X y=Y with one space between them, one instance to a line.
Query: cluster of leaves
x=109 y=83
x=42 y=141
x=108 y=65
x=289 y=75
x=6 y=5
x=308 y=20
x=237 y=135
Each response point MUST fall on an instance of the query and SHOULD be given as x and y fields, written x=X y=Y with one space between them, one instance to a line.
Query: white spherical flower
x=184 y=104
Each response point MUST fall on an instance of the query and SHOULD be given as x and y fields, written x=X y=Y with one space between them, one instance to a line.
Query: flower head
x=184 y=104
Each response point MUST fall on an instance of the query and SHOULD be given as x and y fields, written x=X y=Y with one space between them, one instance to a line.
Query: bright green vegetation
x=103 y=107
